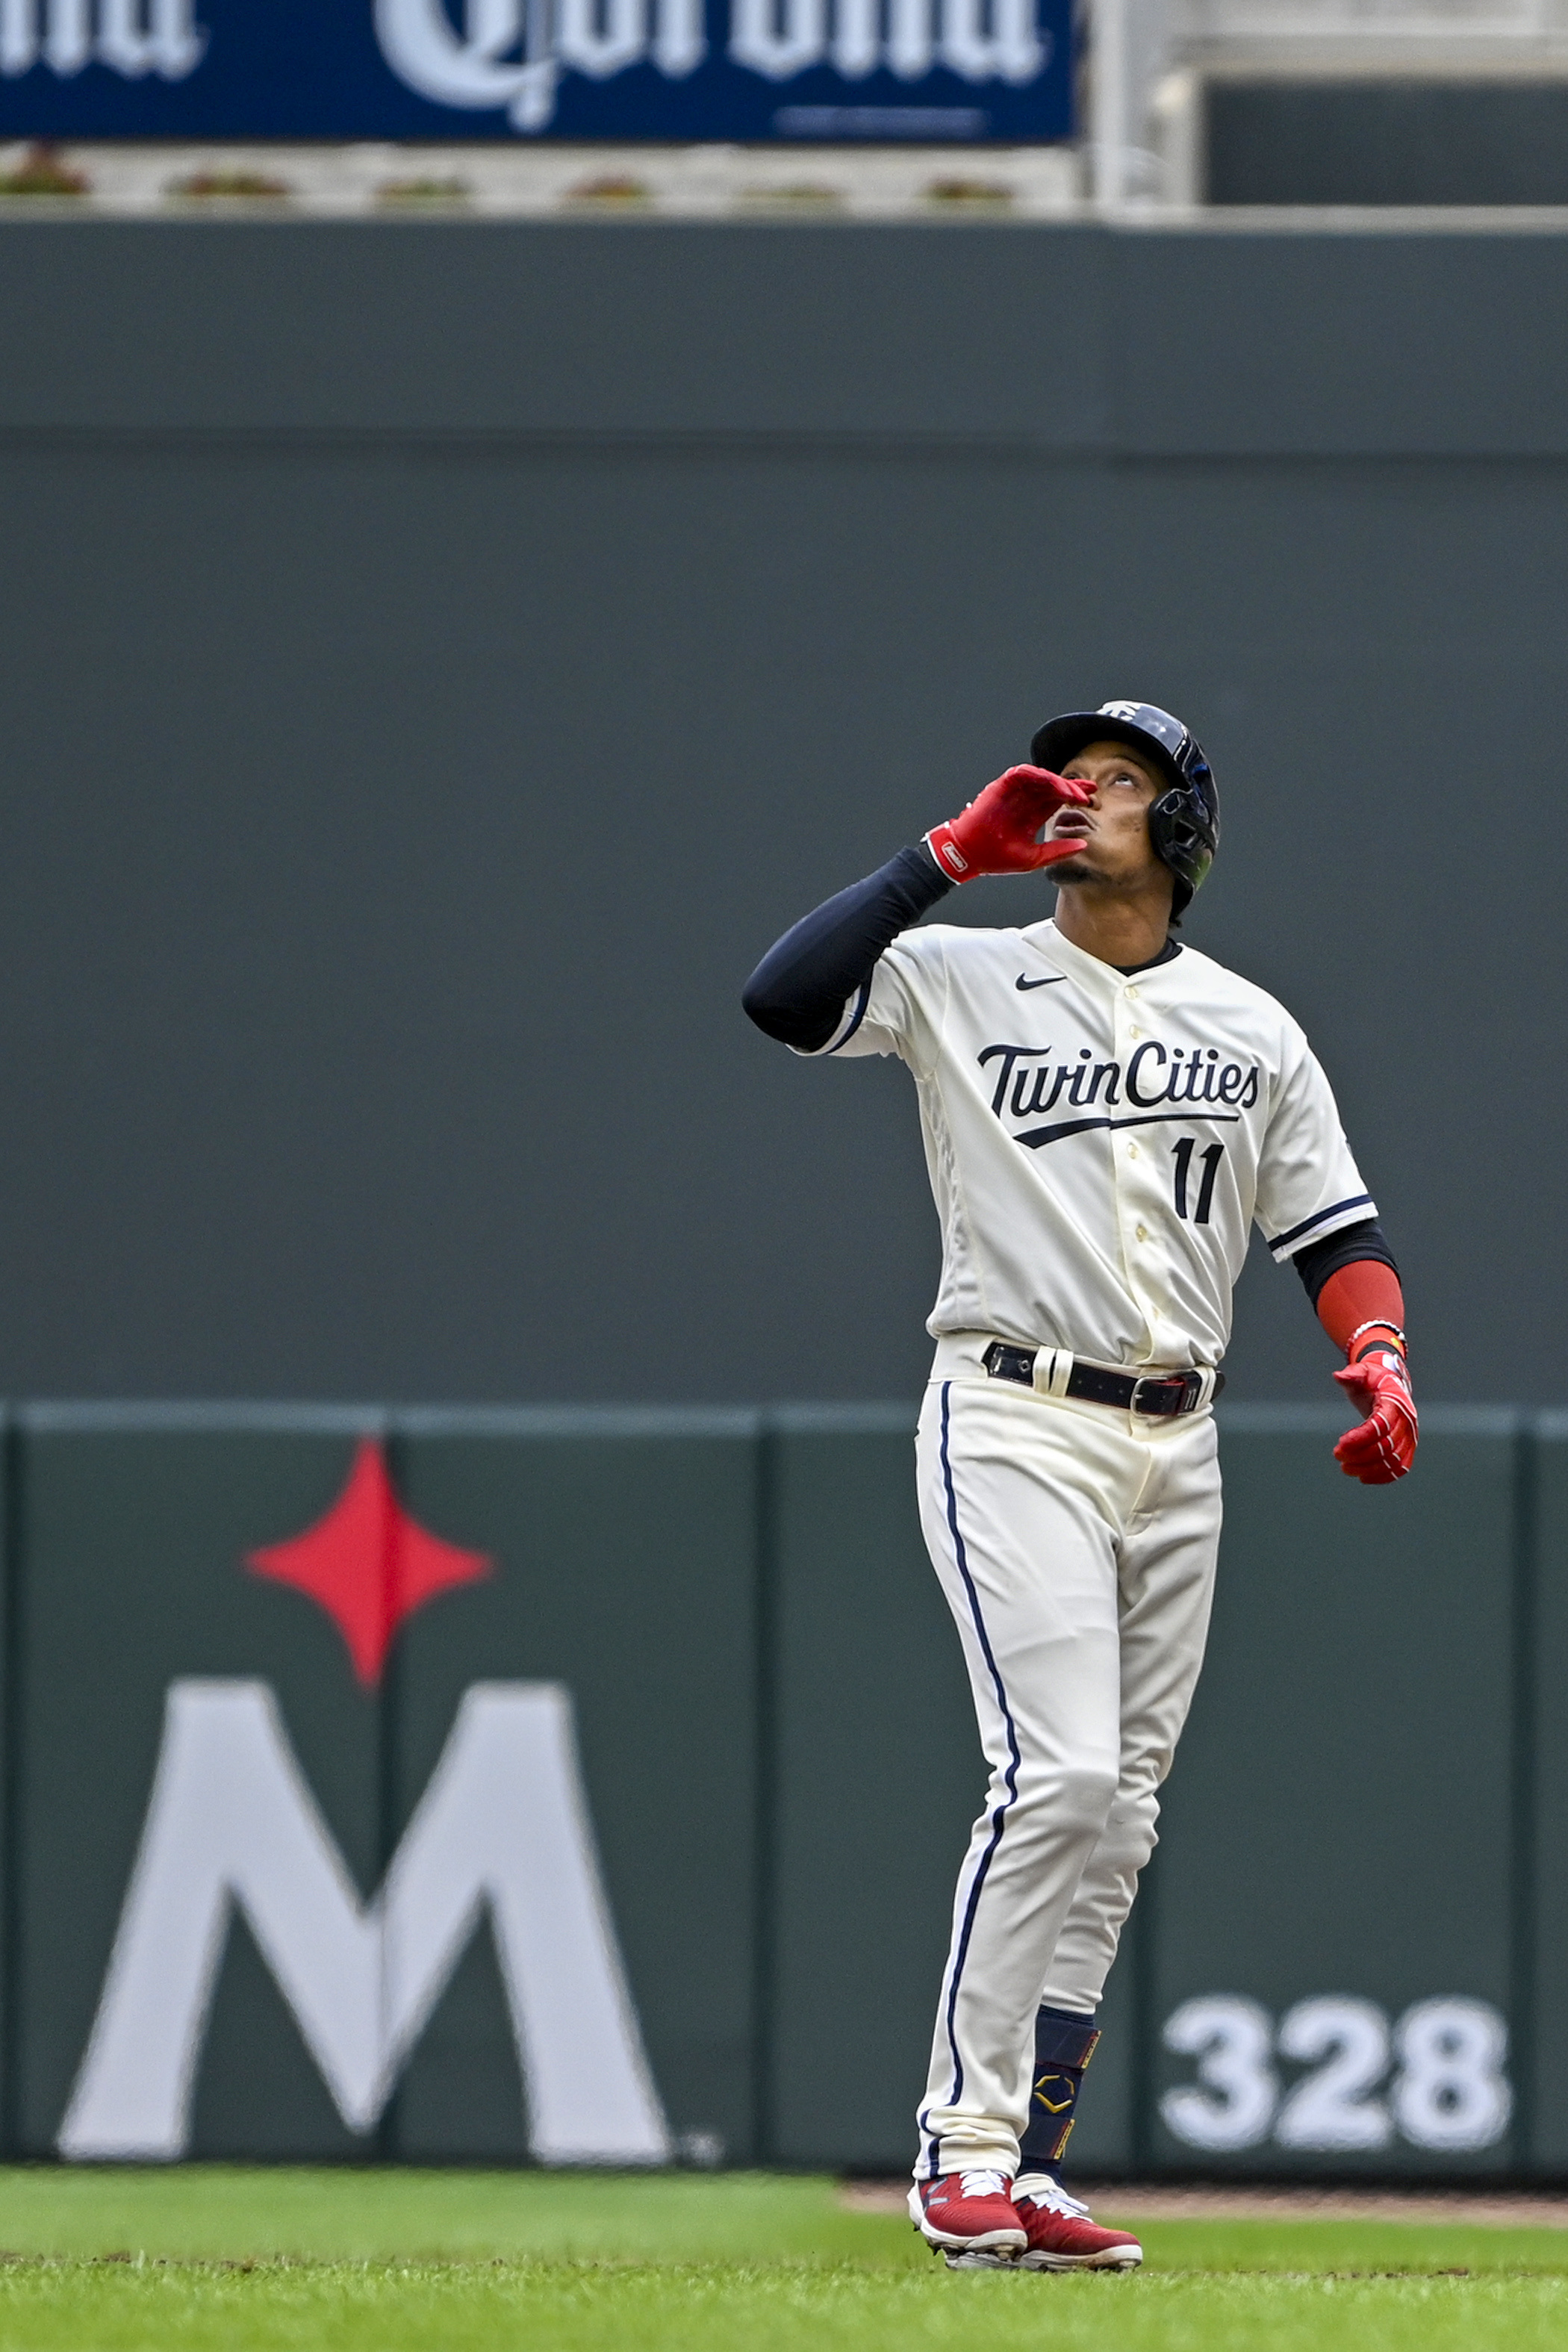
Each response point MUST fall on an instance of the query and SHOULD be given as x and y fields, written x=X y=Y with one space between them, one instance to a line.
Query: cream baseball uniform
x=1100 y=1146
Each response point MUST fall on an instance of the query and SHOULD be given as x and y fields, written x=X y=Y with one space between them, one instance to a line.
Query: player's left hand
x=1381 y=1448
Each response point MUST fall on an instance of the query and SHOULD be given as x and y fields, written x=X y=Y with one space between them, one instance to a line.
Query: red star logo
x=368 y=1563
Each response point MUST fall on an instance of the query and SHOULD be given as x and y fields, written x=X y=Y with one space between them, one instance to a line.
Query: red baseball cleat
x=1061 y=2235
x=968 y=2213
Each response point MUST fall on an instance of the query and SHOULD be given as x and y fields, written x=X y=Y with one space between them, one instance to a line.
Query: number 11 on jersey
x=1211 y=1159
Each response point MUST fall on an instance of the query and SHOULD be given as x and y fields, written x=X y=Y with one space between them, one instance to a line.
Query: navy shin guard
x=1064 y=2045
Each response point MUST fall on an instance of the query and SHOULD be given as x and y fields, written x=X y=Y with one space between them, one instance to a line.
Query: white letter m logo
x=503 y=1822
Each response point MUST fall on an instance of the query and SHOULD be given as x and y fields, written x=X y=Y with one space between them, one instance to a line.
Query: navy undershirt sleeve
x=798 y=991
x=1347 y=1247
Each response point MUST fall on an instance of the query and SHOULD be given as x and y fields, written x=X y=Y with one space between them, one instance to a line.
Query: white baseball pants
x=1076 y=1545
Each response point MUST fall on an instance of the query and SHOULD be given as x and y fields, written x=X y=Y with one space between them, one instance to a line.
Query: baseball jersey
x=1099 y=1145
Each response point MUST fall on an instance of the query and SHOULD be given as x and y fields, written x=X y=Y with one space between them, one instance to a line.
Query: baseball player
x=1107 y=1113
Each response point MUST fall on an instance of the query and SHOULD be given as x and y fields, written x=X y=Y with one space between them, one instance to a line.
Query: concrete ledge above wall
x=153 y=179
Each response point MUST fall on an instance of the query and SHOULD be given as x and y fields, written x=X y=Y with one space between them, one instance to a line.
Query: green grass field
x=377 y=2261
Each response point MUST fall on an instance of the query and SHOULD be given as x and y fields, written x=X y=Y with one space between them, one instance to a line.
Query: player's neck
x=1119 y=928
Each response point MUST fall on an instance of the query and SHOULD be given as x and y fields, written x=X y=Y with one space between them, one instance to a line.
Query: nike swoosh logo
x=1024 y=982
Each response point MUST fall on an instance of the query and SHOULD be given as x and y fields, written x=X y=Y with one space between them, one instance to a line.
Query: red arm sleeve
x=1366 y=1292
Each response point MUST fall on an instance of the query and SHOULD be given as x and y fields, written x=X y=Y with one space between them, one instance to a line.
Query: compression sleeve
x=798 y=991
x=1362 y=1308
x=1348 y=1246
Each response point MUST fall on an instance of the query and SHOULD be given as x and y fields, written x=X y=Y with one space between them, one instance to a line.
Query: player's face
x=1114 y=826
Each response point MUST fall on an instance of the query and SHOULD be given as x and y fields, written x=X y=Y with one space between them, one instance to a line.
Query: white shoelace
x=982 y=2184
x=1041 y=2189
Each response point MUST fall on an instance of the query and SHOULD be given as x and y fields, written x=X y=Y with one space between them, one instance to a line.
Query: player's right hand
x=1381 y=1448
x=999 y=832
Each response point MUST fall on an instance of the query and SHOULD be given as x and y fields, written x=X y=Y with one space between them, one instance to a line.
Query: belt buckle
x=1192 y=1386
x=1005 y=1362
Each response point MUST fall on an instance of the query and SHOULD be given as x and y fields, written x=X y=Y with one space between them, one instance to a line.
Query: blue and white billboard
x=530 y=69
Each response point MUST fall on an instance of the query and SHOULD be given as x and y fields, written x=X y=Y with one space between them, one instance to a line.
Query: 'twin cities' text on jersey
x=1153 y=1076
x=1098 y=1145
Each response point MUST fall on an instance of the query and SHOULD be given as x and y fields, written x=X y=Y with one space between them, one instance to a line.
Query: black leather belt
x=1160 y=1395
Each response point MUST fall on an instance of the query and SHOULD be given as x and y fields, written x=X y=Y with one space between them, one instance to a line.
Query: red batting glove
x=1381 y=1448
x=997 y=833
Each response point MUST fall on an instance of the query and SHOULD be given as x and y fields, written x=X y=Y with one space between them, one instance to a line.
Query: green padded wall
x=130 y=1532
x=1340 y=1825
x=624 y=1546
x=877 y=1776
x=621 y=1564
x=1542 y=1909
x=1347 y=1956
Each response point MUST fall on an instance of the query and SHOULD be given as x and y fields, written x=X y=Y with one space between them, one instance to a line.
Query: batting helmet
x=1184 y=823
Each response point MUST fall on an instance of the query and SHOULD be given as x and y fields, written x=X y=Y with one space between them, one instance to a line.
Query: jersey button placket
x=1157 y=1241
x=1130 y=1172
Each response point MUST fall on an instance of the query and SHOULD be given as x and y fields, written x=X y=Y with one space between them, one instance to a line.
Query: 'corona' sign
x=685 y=69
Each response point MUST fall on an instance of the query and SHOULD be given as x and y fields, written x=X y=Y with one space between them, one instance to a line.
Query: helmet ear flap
x=1184 y=830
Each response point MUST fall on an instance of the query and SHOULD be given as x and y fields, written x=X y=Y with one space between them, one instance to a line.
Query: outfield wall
x=657 y=1745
